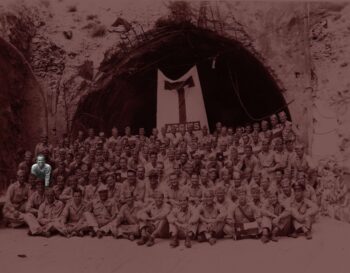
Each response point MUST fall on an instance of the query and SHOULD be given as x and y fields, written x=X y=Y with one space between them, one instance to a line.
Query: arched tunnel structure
x=236 y=86
x=23 y=115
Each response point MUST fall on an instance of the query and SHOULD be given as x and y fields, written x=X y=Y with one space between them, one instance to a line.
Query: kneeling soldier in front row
x=183 y=222
x=211 y=219
x=303 y=211
x=73 y=218
x=127 y=222
x=102 y=218
x=153 y=220
x=276 y=219
x=245 y=218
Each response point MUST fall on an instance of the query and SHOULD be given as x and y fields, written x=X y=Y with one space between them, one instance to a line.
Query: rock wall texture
x=303 y=45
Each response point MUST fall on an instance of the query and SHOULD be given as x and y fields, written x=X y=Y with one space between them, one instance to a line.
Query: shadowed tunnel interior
x=236 y=90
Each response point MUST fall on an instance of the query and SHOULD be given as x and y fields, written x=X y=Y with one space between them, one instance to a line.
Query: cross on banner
x=180 y=101
x=180 y=88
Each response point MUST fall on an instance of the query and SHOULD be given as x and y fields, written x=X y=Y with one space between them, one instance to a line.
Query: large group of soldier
x=253 y=181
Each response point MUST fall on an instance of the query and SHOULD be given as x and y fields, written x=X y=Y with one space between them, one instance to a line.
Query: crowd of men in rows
x=253 y=181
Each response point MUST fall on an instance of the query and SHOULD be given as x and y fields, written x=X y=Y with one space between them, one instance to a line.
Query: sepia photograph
x=160 y=136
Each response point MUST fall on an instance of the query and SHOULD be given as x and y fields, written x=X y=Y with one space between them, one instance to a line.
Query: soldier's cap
x=20 y=172
x=208 y=194
x=128 y=195
x=158 y=194
x=22 y=166
x=285 y=182
x=278 y=140
x=241 y=190
x=298 y=186
x=153 y=174
x=49 y=191
x=236 y=175
x=299 y=146
x=220 y=191
x=254 y=188
x=131 y=171
x=102 y=188
x=272 y=192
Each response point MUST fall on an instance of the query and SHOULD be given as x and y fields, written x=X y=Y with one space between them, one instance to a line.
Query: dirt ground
x=327 y=252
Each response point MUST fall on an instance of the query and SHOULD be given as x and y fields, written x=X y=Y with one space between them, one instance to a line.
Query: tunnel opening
x=237 y=88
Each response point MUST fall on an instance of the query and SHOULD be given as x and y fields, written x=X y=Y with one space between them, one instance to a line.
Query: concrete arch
x=118 y=100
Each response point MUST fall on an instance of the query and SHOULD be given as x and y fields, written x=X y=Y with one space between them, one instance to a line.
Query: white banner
x=180 y=101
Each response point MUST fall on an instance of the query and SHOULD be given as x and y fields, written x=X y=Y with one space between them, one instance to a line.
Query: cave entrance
x=237 y=88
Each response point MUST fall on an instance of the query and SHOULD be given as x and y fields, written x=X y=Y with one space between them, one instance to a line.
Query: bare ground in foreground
x=329 y=251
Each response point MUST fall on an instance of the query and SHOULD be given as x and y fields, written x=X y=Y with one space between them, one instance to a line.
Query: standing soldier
x=211 y=218
x=42 y=170
x=183 y=222
x=153 y=220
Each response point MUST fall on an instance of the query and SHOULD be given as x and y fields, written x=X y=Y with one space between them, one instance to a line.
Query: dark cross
x=180 y=88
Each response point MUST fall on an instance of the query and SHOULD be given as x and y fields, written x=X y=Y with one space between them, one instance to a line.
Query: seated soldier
x=223 y=200
x=183 y=222
x=151 y=186
x=101 y=219
x=72 y=185
x=15 y=201
x=211 y=219
x=73 y=222
x=276 y=219
x=244 y=218
x=303 y=211
x=127 y=223
x=36 y=199
x=114 y=189
x=206 y=184
x=49 y=213
x=286 y=194
x=152 y=220
x=194 y=191
x=91 y=189
x=173 y=191
x=131 y=184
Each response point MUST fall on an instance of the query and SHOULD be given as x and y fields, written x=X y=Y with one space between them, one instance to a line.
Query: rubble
x=68 y=34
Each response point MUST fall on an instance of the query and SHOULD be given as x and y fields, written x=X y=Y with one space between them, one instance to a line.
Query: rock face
x=22 y=109
x=303 y=46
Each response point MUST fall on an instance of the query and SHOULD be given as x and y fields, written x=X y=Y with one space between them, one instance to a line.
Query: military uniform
x=211 y=219
x=73 y=217
x=183 y=221
x=102 y=216
x=127 y=222
x=276 y=218
x=49 y=215
x=303 y=213
x=15 y=202
x=157 y=226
